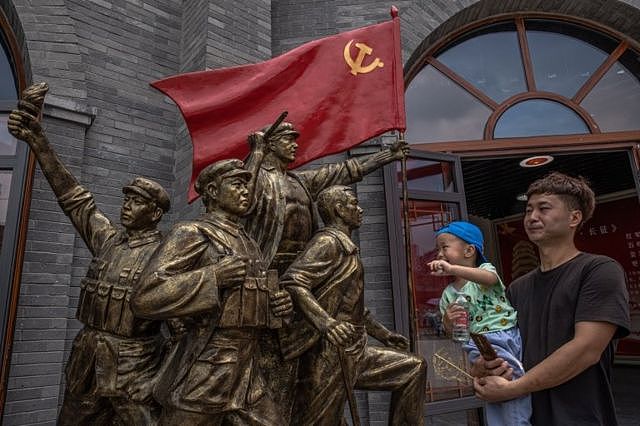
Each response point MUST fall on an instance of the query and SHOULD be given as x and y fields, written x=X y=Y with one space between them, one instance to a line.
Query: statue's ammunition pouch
x=249 y=305
x=106 y=306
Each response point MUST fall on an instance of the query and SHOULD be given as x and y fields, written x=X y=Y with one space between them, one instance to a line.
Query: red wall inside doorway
x=614 y=231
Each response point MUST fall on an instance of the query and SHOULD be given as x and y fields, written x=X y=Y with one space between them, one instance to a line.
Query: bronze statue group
x=251 y=314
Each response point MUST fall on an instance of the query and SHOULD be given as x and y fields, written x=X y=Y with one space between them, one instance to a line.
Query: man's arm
x=254 y=161
x=371 y=162
x=383 y=334
x=339 y=333
x=175 y=283
x=25 y=126
x=350 y=171
x=584 y=350
x=313 y=267
x=76 y=202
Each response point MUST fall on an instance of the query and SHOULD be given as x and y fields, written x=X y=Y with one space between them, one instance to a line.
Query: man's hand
x=495 y=388
x=400 y=149
x=142 y=390
x=23 y=125
x=340 y=333
x=34 y=96
x=230 y=271
x=496 y=367
x=397 y=341
x=257 y=143
x=177 y=327
x=281 y=304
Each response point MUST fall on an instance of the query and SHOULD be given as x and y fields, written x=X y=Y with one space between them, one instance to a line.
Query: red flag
x=339 y=91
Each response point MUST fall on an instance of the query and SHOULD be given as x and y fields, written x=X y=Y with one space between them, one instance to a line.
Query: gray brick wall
x=53 y=46
x=237 y=33
x=42 y=317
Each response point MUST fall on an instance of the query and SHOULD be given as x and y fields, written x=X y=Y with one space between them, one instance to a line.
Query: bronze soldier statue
x=210 y=273
x=114 y=359
x=326 y=283
x=283 y=218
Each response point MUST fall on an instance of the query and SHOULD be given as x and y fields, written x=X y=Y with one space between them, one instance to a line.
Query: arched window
x=524 y=77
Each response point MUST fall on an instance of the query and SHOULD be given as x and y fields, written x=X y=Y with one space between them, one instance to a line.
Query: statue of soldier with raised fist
x=115 y=356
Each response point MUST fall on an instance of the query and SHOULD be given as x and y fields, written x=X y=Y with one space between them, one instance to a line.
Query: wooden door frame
x=398 y=252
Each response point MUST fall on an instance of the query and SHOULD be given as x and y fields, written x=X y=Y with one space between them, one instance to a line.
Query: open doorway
x=488 y=191
x=494 y=190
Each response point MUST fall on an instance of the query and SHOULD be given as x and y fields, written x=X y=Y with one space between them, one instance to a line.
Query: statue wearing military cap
x=115 y=356
x=150 y=190
x=209 y=273
x=283 y=217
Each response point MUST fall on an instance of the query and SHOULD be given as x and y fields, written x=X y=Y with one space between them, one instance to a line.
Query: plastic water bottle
x=460 y=332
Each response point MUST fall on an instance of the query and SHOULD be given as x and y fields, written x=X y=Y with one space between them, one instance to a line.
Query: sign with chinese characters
x=614 y=231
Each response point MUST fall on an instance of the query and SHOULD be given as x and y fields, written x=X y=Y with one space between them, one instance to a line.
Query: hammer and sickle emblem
x=356 y=65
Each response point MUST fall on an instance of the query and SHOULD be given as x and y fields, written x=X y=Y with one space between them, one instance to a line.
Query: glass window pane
x=615 y=101
x=440 y=110
x=5 y=187
x=539 y=117
x=564 y=55
x=423 y=175
x=490 y=60
x=426 y=217
x=7 y=79
x=562 y=64
x=7 y=142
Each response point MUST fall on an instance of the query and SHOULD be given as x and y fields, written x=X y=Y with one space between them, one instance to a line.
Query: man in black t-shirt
x=570 y=310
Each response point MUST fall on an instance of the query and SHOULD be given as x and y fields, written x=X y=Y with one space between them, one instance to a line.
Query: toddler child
x=460 y=255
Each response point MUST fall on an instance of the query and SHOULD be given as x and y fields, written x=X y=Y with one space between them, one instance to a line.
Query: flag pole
x=407 y=244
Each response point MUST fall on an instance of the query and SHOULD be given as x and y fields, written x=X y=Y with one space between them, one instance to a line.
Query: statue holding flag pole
x=283 y=219
x=340 y=91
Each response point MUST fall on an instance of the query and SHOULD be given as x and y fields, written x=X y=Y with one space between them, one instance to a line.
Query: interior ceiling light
x=521 y=197
x=536 y=161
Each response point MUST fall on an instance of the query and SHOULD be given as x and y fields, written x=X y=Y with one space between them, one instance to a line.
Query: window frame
x=400 y=267
x=520 y=144
x=22 y=165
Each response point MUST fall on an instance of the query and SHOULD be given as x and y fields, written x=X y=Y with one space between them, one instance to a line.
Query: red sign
x=614 y=231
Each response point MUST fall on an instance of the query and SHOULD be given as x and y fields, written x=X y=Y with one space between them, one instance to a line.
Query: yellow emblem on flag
x=356 y=65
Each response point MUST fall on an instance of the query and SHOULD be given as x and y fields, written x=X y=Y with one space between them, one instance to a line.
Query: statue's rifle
x=275 y=125
x=353 y=406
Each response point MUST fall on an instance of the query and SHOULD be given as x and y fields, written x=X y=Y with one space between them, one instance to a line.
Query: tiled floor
x=626 y=388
